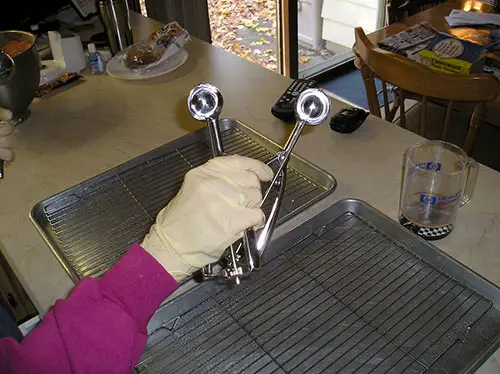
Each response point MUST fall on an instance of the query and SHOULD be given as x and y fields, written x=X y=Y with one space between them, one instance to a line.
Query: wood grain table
x=435 y=17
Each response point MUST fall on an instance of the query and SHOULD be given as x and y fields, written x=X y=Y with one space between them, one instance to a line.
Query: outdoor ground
x=248 y=29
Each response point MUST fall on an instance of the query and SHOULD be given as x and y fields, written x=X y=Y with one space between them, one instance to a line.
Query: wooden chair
x=413 y=80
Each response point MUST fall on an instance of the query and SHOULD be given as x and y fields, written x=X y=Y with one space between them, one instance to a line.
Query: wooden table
x=435 y=17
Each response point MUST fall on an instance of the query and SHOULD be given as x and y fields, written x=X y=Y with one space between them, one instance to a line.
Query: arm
x=100 y=328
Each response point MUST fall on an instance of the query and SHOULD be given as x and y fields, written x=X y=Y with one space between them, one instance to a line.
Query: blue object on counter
x=95 y=60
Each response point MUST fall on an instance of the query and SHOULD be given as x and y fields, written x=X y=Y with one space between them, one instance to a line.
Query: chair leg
x=423 y=116
x=386 y=99
x=371 y=90
x=395 y=104
x=402 y=117
x=447 y=117
x=474 y=124
x=392 y=112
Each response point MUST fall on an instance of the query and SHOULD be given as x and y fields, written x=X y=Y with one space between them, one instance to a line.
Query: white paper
x=463 y=18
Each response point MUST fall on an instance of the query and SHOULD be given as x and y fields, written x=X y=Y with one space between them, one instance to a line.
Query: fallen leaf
x=239 y=26
x=251 y=25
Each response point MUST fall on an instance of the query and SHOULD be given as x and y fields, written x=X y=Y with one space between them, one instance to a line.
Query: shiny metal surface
x=6 y=67
x=19 y=91
x=205 y=104
x=312 y=108
x=115 y=15
x=90 y=226
x=346 y=291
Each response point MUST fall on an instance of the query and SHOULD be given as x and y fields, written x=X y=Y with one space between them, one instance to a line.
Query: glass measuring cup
x=438 y=179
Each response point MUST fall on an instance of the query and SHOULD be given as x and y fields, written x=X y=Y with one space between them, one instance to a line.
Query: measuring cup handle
x=470 y=183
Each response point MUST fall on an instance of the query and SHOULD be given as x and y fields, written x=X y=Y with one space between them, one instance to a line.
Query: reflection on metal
x=205 y=104
x=311 y=108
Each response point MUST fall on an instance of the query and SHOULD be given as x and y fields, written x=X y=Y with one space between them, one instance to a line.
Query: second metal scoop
x=311 y=108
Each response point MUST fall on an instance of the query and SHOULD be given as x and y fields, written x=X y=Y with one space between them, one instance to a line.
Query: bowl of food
x=19 y=90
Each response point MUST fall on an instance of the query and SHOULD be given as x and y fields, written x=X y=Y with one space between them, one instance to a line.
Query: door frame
x=287 y=37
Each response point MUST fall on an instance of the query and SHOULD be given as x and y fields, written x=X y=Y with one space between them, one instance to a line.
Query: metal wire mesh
x=91 y=230
x=345 y=299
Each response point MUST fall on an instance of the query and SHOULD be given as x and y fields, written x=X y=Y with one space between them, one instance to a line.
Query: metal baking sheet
x=90 y=226
x=348 y=291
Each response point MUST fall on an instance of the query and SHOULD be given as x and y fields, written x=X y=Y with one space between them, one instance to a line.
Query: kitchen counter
x=104 y=122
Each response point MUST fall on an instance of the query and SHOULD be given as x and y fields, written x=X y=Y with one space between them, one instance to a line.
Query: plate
x=117 y=69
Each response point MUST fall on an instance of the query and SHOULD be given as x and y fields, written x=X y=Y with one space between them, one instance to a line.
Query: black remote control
x=283 y=109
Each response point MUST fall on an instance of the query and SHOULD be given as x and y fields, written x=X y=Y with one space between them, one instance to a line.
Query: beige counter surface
x=104 y=122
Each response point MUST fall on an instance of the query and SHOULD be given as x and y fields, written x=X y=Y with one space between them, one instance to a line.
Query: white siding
x=340 y=17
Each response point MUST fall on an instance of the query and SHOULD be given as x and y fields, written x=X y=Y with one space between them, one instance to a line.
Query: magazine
x=410 y=41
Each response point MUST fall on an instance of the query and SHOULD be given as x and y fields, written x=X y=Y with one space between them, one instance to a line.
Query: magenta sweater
x=100 y=328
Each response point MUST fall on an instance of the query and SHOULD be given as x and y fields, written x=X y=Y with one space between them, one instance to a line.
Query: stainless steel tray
x=90 y=226
x=348 y=291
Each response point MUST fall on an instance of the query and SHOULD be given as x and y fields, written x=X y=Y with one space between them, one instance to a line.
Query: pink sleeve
x=100 y=328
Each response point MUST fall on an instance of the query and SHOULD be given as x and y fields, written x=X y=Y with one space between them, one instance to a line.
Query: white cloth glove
x=6 y=141
x=216 y=203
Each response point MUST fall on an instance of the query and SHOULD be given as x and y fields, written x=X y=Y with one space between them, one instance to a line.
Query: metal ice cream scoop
x=312 y=108
x=205 y=104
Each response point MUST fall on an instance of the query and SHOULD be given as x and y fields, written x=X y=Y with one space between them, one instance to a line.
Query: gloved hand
x=6 y=128
x=215 y=204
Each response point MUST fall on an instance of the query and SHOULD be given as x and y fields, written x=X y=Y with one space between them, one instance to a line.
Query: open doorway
x=247 y=28
x=314 y=35
x=328 y=26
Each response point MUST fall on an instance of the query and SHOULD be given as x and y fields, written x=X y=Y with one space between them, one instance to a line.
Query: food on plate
x=140 y=55
x=160 y=45
x=15 y=47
